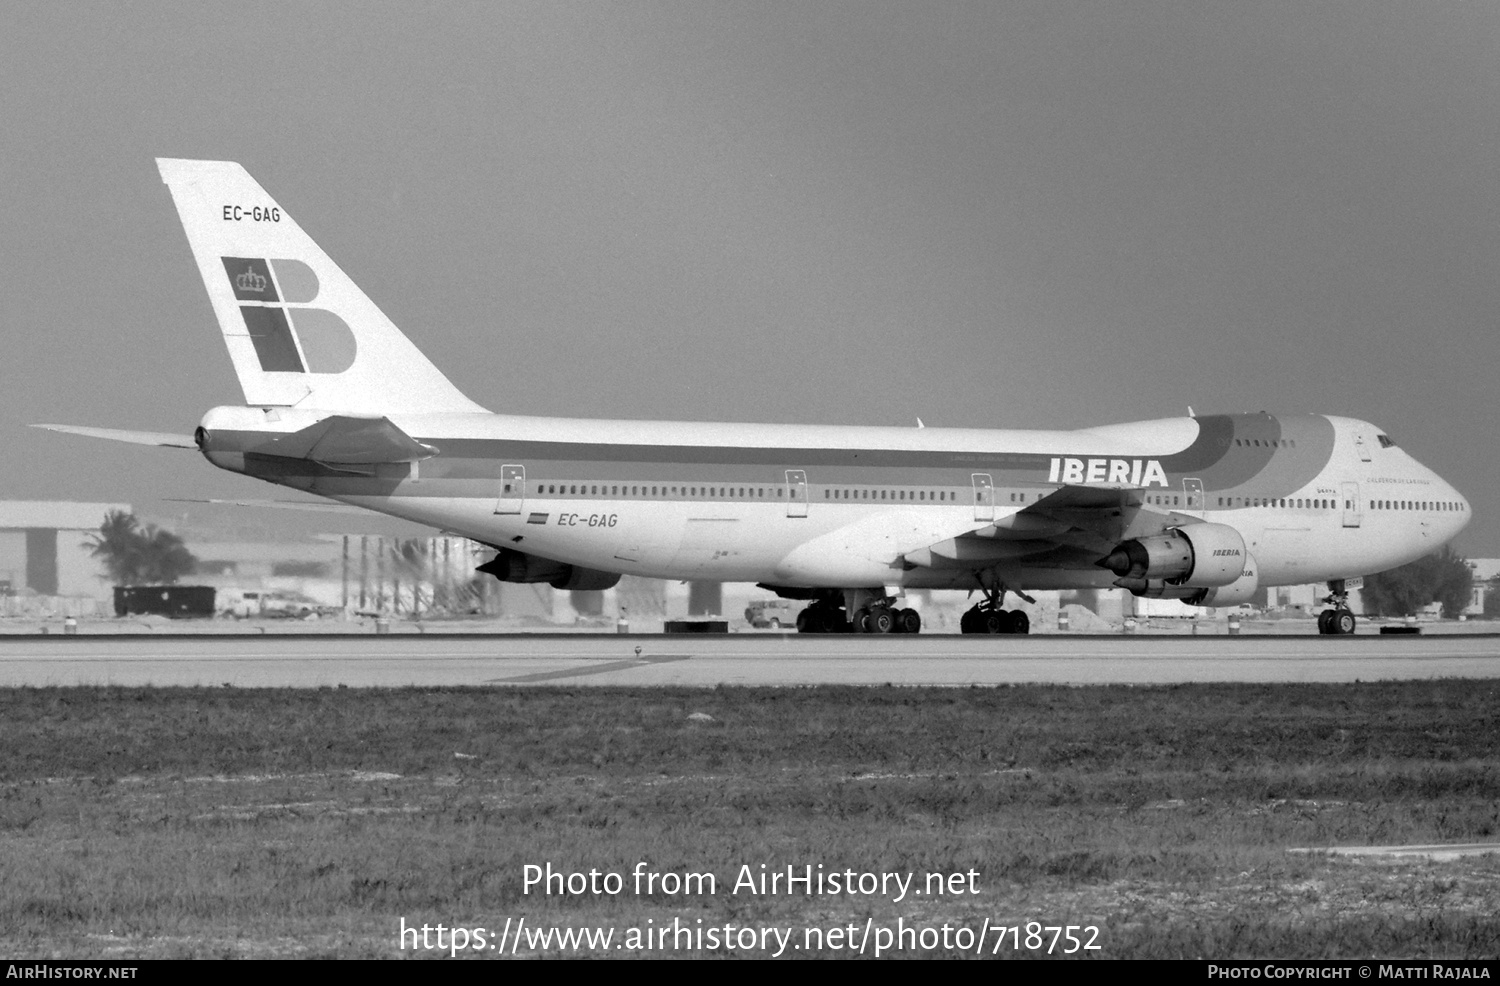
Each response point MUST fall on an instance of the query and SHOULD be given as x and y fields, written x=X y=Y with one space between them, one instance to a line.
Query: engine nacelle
x=1201 y=556
x=517 y=566
x=1157 y=589
x=587 y=580
x=1241 y=590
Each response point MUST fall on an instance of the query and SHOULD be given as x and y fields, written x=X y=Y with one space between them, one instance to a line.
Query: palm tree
x=118 y=545
x=133 y=555
x=165 y=559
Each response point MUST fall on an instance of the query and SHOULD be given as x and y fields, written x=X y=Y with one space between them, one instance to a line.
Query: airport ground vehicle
x=250 y=603
x=772 y=613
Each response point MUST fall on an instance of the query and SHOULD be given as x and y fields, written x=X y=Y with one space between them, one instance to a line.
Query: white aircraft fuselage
x=1315 y=498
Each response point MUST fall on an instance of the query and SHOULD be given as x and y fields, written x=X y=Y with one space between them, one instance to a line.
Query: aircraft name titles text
x=1133 y=472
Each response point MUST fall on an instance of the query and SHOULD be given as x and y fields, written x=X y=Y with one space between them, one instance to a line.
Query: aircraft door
x=1351 y=505
x=796 y=493
x=984 y=497
x=1192 y=490
x=512 y=490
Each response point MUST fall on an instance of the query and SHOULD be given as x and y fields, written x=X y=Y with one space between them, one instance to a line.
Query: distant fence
x=41 y=607
x=435 y=576
x=413 y=576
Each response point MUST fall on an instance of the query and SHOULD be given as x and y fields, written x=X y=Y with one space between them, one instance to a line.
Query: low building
x=1486 y=575
x=46 y=548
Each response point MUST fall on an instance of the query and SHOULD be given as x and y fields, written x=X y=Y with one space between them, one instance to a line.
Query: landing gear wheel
x=1338 y=620
x=881 y=620
x=860 y=622
x=821 y=618
x=909 y=621
x=990 y=616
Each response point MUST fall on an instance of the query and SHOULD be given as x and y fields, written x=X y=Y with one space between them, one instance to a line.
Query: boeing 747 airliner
x=1206 y=509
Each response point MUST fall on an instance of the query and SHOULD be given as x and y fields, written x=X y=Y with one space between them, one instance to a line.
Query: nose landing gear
x=1339 y=620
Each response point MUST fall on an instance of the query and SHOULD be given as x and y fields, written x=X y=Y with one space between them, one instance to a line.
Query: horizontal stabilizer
x=314 y=505
x=344 y=440
x=120 y=435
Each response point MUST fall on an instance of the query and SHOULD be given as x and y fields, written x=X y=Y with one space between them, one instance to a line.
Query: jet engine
x=1241 y=590
x=517 y=566
x=1202 y=556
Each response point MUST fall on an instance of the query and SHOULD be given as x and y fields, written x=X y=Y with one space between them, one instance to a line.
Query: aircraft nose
x=1459 y=518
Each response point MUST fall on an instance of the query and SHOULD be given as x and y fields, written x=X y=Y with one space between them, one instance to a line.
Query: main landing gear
x=872 y=614
x=885 y=618
x=822 y=616
x=989 y=617
x=1339 y=620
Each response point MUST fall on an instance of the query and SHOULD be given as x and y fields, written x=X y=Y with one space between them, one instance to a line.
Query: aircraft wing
x=1103 y=498
x=326 y=506
x=1070 y=526
x=120 y=435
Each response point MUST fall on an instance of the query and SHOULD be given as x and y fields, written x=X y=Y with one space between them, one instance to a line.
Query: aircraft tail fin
x=299 y=331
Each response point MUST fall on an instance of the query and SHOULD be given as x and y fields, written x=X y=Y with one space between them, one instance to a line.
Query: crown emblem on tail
x=250 y=281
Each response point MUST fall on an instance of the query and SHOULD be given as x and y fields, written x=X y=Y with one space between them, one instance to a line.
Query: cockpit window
x=1385 y=441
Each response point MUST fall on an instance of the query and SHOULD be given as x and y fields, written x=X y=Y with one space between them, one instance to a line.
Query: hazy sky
x=1043 y=214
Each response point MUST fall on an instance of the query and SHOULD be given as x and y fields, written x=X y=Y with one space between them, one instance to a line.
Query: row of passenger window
x=1298 y=503
x=588 y=489
x=938 y=496
x=743 y=492
x=1441 y=506
x=1448 y=506
x=919 y=495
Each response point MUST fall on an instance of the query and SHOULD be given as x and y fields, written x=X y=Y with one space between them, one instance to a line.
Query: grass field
x=216 y=822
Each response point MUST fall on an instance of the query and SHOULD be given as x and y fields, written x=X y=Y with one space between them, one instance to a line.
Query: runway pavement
x=1440 y=852
x=738 y=659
